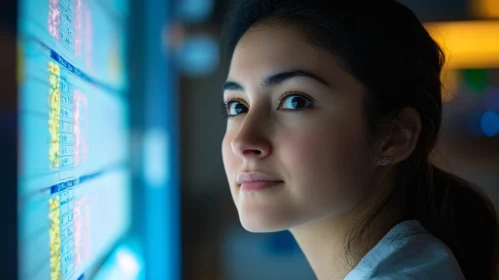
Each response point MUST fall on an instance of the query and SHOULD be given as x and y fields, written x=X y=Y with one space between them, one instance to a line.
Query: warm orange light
x=468 y=44
x=485 y=8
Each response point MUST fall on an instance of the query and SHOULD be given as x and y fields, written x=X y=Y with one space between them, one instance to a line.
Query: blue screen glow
x=74 y=190
x=490 y=123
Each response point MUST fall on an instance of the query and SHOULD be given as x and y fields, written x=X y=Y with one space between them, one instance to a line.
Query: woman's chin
x=264 y=222
x=260 y=227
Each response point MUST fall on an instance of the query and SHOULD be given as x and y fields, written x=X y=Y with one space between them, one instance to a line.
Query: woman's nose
x=251 y=141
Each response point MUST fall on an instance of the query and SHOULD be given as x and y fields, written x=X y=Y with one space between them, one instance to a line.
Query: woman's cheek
x=321 y=144
x=324 y=162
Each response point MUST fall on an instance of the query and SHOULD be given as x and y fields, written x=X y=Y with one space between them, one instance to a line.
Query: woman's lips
x=254 y=181
x=258 y=185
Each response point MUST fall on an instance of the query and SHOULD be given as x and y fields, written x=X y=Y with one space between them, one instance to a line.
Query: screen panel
x=73 y=191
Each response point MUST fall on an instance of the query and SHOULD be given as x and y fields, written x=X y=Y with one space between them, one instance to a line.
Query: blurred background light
x=485 y=8
x=124 y=264
x=490 y=123
x=477 y=80
x=155 y=155
x=199 y=55
x=127 y=261
x=173 y=36
x=194 y=11
x=468 y=44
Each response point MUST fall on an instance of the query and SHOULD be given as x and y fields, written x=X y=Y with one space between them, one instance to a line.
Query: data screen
x=74 y=187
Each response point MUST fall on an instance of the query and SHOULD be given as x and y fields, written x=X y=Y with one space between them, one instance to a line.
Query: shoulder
x=408 y=251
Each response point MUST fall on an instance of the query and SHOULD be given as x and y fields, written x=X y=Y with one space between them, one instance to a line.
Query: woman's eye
x=236 y=108
x=295 y=102
x=292 y=102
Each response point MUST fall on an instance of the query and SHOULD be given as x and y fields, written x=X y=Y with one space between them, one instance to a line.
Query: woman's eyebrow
x=229 y=85
x=276 y=79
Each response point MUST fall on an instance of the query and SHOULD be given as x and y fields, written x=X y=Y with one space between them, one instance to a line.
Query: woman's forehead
x=266 y=50
x=278 y=42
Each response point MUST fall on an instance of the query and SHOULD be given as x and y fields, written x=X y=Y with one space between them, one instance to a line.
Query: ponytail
x=459 y=214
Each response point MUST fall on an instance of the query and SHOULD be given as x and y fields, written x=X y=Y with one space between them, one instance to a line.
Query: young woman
x=334 y=108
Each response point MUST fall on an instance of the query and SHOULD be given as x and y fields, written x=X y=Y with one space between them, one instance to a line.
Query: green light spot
x=477 y=79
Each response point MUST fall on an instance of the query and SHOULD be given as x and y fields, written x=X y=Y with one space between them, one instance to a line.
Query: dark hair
x=385 y=46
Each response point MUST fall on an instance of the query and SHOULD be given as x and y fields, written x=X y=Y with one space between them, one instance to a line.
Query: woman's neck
x=323 y=241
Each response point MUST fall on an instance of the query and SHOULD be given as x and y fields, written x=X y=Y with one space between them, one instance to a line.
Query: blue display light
x=199 y=55
x=490 y=123
x=195 y=11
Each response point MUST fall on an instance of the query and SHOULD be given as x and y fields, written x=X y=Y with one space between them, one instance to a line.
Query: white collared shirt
x=408 y=251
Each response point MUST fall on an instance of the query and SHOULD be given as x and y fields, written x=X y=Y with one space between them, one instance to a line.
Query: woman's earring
x=387 y=160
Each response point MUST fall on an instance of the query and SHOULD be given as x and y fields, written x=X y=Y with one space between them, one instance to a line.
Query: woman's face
x=296 y=118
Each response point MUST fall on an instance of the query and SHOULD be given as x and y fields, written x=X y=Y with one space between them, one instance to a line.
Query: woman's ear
x=400 y=137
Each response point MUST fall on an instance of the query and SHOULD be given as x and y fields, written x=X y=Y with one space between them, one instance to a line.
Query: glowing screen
x=74 y=176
